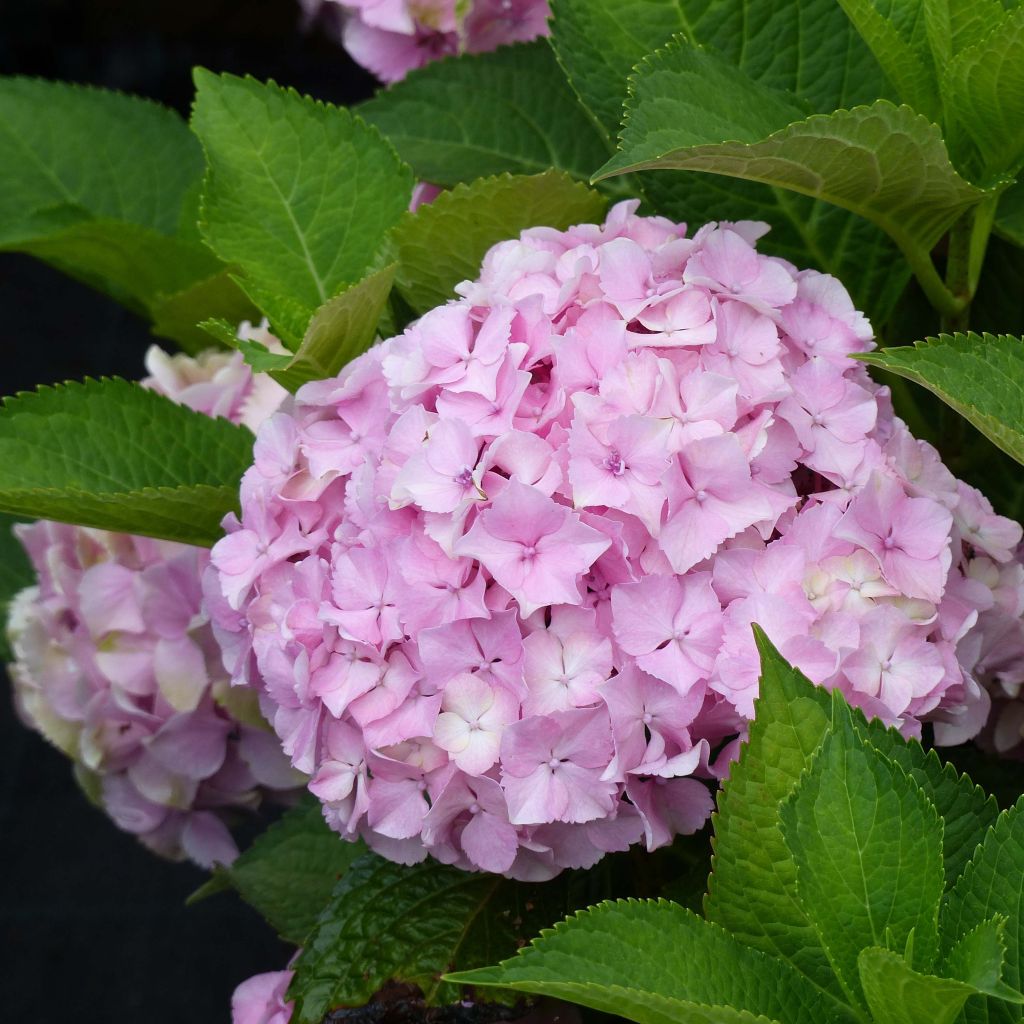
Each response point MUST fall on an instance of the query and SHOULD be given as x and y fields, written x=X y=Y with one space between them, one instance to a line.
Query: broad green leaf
x=868 y=848
x=805 y=46
x=288 y=317
x=478 y=115
x=978 y=958
x=690 y=110
x=752 y=889
x=627 y=957
x=387 y=922
x=445 y=241
x=966 y=810
x=983 y=92
x=979 y=375
x=110 y=454
x=993 y=884
x=74 y=153
x=16 y=574
x=133 y=264
x=897 y=994
x=298 y=193
x=898 y=34
x=343 y=328
x=290 y=871
x=178 y=316
x=954 y=25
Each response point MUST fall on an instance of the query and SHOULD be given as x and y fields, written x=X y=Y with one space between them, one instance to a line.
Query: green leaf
x=992 y=885
x=1010 y=215
x=691 y=110
x=954 y=25
x=343 y=328
x=966 y=810
x=478 y=115
x=74 y=153
x=983 y=91
x=445 y=241
x=16 y=573
x=135 y=265
x=110 y=454
x=178 y=316
x=387 y=922
x=898 y=33
x=290 y=871
x=298 y=193
x=978 y=958
x=868 y=848
x=637 y=958
x=897 y=994
x=979 y=375
x=752 y=889
x=805 y=46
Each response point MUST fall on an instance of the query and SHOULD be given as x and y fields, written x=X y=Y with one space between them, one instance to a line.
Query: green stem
x=941 y=298
x=968 y=240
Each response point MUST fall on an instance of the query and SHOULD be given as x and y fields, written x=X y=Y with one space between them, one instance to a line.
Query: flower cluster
x=392 y=37
x=116 y=664
x=497 y=578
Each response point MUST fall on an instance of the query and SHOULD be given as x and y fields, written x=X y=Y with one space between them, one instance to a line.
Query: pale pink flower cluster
x=117 y=666
x=392 y=37
x=497 y=578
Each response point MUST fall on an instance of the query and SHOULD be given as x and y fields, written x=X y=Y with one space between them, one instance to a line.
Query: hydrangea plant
x=496 y=579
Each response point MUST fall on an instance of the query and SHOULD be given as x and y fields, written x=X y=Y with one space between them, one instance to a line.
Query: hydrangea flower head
x=498 y=577
x=392 y=37
x=117 y=666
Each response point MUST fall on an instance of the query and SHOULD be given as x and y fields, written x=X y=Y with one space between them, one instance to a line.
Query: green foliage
x=616 y=956
x=981 y=376
x=178 y=315
x=113 y=455
x=289 y=872
x=692 y=110
x=341 y=329
x=473 y=116
x=867 y=844
x=445 y=241
x=298 y=193
x=843 y=853
x=387 y=922
x=98 y=185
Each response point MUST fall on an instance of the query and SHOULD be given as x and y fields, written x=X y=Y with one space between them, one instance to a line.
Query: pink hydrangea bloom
x=392 y=37
x=261 y=999
x=116 y=663
x=498 y=577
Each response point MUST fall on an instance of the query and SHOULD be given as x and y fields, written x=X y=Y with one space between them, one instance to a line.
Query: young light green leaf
x=806 y=46
x=868 y=849
x=626 y=957
x=290 y=871
x=110 y=454
x=690 y=110
x=897 y=32
x=478 y=115
x=178 y=316
x=978 y=958
x=298 y=193
x=74 y=153
x=897 y=994
x=983 y=92
x=387 y=922
x=445 y=241
x=954 y=25
x=341 y=329
x=992 y=885
x=979 y=375
x=966 y=810
x=752 y=889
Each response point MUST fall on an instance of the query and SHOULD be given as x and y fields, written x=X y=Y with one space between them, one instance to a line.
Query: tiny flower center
x=529 y=551
x=701 y=495
x=614 y=463
x=474 y=808
x=554 y=763
x=648 y=718
x=464 y=478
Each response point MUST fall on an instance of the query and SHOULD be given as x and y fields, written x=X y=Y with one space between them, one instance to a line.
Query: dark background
x=93 y=928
